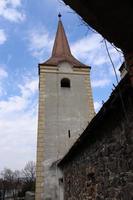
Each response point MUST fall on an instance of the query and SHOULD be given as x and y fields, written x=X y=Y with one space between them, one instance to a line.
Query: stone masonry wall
x=102 y=169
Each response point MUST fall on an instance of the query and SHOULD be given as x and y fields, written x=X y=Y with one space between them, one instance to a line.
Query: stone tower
x=65 y=109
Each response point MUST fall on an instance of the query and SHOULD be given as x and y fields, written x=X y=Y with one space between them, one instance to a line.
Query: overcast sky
x=27 y=31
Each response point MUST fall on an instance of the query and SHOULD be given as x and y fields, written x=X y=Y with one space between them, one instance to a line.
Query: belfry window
x=65 y=82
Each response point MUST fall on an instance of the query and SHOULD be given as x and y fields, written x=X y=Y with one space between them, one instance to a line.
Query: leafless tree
x=29 y=171
x=16 y=183
x=29 y=176
x=10 y=183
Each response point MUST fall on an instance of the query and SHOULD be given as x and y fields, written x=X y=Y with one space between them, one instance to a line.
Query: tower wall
x=63 y=114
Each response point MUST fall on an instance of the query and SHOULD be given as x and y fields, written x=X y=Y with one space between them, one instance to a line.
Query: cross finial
x=59 y=15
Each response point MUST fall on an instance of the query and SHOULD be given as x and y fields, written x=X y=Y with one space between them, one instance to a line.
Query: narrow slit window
x=69 y=133
x=65 y=82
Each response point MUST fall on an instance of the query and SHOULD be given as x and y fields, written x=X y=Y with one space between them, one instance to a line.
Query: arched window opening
x=65 y=82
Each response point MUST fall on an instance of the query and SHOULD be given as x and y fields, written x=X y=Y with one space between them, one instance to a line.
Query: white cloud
x=100 y=83
x=91 y=50
x=21 y=102
x=18 y=140
x=3 y=75
x=10 y=10
x=97 y=106
x=30 y=87
x=39 y=42
x=18 y=124
x=3 y=37
x=86 y=44
x=15 y=3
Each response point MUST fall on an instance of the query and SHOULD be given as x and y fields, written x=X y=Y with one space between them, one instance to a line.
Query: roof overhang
x=112 y=19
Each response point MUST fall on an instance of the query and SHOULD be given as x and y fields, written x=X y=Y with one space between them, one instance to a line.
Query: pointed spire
x=61 y=46
x=61 y=50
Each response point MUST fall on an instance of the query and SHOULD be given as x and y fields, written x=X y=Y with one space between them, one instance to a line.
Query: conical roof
x=61 y=50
